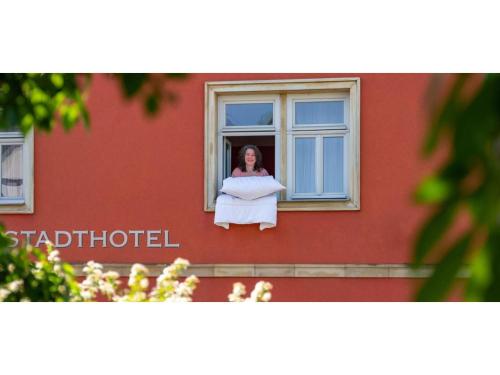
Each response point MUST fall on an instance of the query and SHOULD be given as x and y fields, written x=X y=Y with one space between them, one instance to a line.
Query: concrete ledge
x=230 y=270
x=284 y=270
x=274 y=270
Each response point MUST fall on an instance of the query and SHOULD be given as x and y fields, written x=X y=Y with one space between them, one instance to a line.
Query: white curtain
x=12 y=171
x=305 y=165
x=333 y=164
x=324 y=112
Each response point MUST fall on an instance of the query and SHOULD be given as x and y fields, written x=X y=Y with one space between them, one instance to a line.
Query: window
x=318 y=128
x=307 y=130
x=247 y=119
x=16 y=172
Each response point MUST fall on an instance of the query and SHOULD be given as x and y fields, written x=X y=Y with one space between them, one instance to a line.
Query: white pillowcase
x=252 y=187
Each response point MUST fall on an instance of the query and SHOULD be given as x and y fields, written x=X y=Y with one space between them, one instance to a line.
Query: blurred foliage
x=29 y=274
x=40 y=100
x=466 y=184
x=37 y=100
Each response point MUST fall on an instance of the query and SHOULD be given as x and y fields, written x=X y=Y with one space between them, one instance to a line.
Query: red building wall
x=131 y=171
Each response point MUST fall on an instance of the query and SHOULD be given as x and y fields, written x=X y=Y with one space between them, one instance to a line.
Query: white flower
x=111 y=275
x=144 y=283
x=181 y=262
x=14 y=286
x=239 y=289
x=259 y=294
x=86 y=295
x=11 y=267
x=176 y=298
x=97 y=273
x=138 y=268
x=106 y=288
x=54 y=256
x=86 y=283
x=192 y=280
x=266 y=297
x=260 y=286
x=4 y=293
x=161 y=278
x=93 y=265
x=183 y=289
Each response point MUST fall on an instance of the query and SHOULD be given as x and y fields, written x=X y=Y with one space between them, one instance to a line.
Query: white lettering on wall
x=57 y=240
x=13 y=234
x=42 y=239
x=94 y=238
x=27 y=234
x=151 y=237
x=136 y=234
x=124 y=238
x=80 y=234
x=91 y=239
x=166 y=240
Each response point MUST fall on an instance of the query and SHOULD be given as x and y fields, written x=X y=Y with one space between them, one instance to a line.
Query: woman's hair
x=258 y=158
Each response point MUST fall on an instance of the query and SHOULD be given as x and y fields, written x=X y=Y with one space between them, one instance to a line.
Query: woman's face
x=250 y=157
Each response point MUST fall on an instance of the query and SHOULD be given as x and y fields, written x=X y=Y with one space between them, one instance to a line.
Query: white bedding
x=250 y=188
x=232 y=210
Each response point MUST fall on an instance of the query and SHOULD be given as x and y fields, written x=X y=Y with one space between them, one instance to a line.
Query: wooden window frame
x=252 y=131
x=318 y=132
x=26 y=205
x=214 y=91
x=291 y=195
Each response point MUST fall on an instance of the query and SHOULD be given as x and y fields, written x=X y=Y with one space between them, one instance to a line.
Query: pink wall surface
x=131 y=171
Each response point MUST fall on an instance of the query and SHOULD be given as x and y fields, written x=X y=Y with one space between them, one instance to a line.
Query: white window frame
x=319 y=194
x=300 y=89
x=26 y=204
x=248 y=99
x=318 y=132
x=247 y=130
x=316 y=97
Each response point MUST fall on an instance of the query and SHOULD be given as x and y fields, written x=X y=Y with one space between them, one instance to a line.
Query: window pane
x=249 y=114
x=305 y=165
x=12 y=176
x=333 y=164
x=323 y=112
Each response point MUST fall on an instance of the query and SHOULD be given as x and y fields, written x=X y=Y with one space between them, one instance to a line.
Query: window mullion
x=345 y=141
x=319 y=165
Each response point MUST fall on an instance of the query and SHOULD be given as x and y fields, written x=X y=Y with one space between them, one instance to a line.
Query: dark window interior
x=265 y=145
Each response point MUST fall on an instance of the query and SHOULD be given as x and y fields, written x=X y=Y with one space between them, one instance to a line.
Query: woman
x=249 y=163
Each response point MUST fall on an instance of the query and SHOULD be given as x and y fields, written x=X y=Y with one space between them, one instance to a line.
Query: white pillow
x=252 y=187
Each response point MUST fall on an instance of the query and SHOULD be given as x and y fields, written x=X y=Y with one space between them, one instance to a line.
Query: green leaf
x=83 y=110
x=132 y=83
x=57 y=80
x=152 y=104
x=492 y=292
x=5 y=240
x=433 y=190
x=480 y=275
x=439 y=284
x=432 y=232
x=176 y=75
